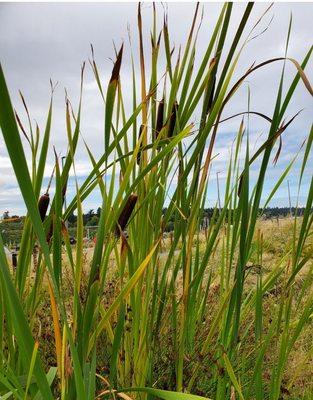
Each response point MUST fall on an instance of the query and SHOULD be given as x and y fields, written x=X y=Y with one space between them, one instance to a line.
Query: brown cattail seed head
x=43 y=205
x=14 y=260
x=117 y=66
x=173 y=119
x=140 y=148
x=211 y=96
x=113 y=84
x=126 y=213
x=160 y=117
x=50 y=233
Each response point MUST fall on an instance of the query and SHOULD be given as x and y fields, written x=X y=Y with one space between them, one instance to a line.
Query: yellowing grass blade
x=56 y=327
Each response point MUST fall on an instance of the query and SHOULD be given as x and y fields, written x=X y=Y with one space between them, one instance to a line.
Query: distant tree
x=6 y=215
x=72 y=218
x=93 y=221
x=98 y=212
x=88 y=216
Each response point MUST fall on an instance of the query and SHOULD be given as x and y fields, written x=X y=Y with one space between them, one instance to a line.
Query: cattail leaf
x=57 y=225
x=22 y=127
x=15 y=149
x=110 y=98
x=232 y=376
x=43 y=151
x=141 y=145
x=124 y=293
x=243 y=22
x=166 y=394
x=56 y=327
x=21 y=328
x=302 y=74
x=268 y=144
x=88 y=316
x=306 y=154
x=280 y=180
x=118 y=334
x=278 y=151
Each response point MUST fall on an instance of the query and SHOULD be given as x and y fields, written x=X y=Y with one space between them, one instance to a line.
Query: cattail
x=117 y=66
x=160 y=117
x=35 y=257
x=210 y=93
x=50 y=233
x=173 y=119
x=140 y=147
x=44 y=200
x=14 y=260
x=126 y=213
x=43 y=205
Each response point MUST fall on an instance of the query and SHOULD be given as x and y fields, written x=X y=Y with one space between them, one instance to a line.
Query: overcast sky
x=39 y=41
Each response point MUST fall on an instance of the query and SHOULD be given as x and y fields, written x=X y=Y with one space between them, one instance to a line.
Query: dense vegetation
x=219 y=313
